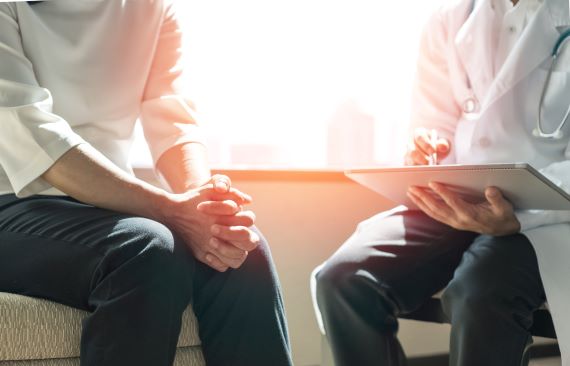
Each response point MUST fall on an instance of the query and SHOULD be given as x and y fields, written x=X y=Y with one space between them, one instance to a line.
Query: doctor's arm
x=434 y=110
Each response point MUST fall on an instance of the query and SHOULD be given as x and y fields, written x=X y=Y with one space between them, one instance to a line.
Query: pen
x=432 y=158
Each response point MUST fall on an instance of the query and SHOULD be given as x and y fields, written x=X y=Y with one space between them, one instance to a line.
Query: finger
x=435 y=205
x=225 y=259
x=214 y=262
x=423 y=141
x=451 y=199
x=226 y=251
x=410 y=152
x=222 y=183
x=499 y=204
x=442 y=146
x=234 y=195
x=243 y=218
x=418 y=157
x=219 y=208
x=240 y=236
x=244 y=196
x=425 y=209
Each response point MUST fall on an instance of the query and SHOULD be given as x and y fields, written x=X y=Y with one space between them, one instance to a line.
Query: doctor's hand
x=493 y=217
x=426 y=146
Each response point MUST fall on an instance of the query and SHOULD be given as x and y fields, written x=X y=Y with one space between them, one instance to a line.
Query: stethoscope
x=470 y=105
x=538 y=131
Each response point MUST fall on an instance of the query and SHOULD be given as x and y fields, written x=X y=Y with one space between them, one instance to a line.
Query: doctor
x=482 y=73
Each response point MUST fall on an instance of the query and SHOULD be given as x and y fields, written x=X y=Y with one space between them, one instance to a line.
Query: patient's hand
x=213 y=224
x=492 y=217
x=426 y=143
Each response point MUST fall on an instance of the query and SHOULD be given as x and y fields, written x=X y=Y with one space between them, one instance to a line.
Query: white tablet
x=520 y=183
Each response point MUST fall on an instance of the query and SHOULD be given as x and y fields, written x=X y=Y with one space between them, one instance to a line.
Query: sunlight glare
x=274 y=72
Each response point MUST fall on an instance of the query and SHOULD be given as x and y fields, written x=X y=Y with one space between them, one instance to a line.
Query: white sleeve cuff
x=530 y=219
x=167 y=122
x=28 y=180
x=31 y=137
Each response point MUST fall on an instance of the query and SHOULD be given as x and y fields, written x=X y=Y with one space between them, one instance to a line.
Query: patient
x=77 y=228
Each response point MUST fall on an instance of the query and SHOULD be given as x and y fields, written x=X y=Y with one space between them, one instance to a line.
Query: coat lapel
x=534 y=47
x=474 y=50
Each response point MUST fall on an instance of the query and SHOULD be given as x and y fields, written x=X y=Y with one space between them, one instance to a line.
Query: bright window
x=303 y=83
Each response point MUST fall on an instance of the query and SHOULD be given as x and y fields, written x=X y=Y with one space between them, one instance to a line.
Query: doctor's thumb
x=492 y=193
x=442 y=146
x=495 y=198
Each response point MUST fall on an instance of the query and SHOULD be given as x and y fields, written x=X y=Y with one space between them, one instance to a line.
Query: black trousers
x=396 y=260
x=136 y=278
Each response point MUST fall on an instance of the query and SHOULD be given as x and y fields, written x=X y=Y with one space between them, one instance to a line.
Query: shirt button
x=469 y=105
x=512 y=29
x=484 y=142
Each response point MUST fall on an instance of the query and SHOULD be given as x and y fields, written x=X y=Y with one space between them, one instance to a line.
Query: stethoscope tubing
x=559 y=42
x=538 y=131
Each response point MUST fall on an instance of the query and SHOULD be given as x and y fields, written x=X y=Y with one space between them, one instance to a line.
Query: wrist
x=517 y=227
x=161 y=205
x=510 y=227
x=197 y=182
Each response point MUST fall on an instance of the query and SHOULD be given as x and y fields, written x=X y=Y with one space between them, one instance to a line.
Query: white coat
x=489 y=117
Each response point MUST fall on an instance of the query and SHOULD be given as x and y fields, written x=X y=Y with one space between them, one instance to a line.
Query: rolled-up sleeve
x=433 y=103
x=32 y=138
x=167 y=115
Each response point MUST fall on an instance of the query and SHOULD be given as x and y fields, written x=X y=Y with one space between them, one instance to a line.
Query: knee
x=473 y=294
x=351 y=275
x=330 y=280
x=259 y=260
x=342 y=282
x=322 y=277
x=258 y=268
x=145 y=249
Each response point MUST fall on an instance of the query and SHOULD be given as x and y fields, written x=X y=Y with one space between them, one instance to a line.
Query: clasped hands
x=494 y=216
x=212 y=222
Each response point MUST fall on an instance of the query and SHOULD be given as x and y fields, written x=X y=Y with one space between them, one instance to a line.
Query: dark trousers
x=136 y=278
x=396 y=260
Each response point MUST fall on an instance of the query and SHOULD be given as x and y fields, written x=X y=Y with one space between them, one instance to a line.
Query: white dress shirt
x=83 y=71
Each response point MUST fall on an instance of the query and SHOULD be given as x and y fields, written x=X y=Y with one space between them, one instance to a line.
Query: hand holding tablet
x=520 y=183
